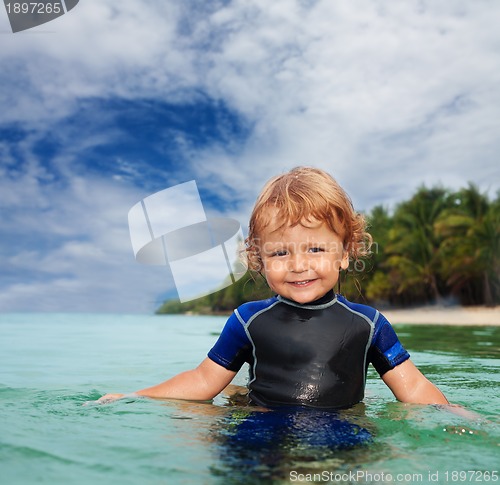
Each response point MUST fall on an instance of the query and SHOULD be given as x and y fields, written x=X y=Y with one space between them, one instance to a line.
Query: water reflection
x=258 y=445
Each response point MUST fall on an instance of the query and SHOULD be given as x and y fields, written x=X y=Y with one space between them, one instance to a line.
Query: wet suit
x=315 y=354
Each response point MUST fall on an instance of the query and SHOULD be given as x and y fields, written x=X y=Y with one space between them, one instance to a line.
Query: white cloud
x=74 y=251
x=361 y=90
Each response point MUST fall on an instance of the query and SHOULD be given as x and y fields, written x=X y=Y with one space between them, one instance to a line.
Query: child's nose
x=298 y=263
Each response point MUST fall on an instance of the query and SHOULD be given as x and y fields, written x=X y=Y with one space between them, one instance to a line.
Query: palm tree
x=470 y=252
x=413 y=248
x=379 y=285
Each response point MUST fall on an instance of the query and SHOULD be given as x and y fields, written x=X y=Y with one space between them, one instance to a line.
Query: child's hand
x=107 y=398
x=460 y=411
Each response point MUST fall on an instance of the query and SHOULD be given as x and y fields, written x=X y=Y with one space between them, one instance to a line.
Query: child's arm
x=408 y=384
x=201 y=384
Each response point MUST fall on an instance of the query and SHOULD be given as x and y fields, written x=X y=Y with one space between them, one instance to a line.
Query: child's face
x=302 y=262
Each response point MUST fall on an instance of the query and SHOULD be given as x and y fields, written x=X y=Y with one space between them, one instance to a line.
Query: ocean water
x=54 y=366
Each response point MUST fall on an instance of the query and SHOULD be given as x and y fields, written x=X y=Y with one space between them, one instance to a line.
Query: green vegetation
x=438 y=245
x=248 y=288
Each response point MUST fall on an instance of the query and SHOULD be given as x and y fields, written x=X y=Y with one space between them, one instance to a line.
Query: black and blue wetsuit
x=315 y=354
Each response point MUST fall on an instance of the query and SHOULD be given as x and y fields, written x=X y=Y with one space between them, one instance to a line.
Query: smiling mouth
x=301 y=283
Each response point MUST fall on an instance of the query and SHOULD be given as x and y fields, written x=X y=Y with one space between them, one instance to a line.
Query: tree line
x=439 y=246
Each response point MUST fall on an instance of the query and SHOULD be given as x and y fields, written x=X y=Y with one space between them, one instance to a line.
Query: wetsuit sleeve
x=386 y=351
x=233 y=348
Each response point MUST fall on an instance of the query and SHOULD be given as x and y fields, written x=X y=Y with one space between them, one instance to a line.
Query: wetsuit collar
x=326 y=300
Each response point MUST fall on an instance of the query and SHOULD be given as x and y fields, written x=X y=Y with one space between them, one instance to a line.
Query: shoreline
x=436 y=315
x=427 y=315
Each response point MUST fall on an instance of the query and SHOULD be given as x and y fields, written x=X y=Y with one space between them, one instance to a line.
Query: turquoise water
x=53 y=366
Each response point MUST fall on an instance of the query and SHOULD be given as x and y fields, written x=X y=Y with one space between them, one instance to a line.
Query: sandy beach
x=455 y=315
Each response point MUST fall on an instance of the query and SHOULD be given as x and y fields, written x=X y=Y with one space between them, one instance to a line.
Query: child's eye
x=279 y=253
x=316 y=250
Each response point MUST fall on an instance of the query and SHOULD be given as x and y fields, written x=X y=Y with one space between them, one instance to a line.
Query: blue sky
x=114 y=101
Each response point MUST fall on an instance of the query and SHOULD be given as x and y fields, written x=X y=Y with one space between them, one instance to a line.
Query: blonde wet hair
x=306 y=195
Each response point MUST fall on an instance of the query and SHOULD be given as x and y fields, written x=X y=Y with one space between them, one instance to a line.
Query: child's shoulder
x=365 y=310
x=251 y=308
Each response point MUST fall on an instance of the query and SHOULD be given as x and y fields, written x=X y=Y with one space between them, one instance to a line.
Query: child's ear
x=344 y=262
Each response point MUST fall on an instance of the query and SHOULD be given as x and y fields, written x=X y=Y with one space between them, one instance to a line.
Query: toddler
x=307 y=345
